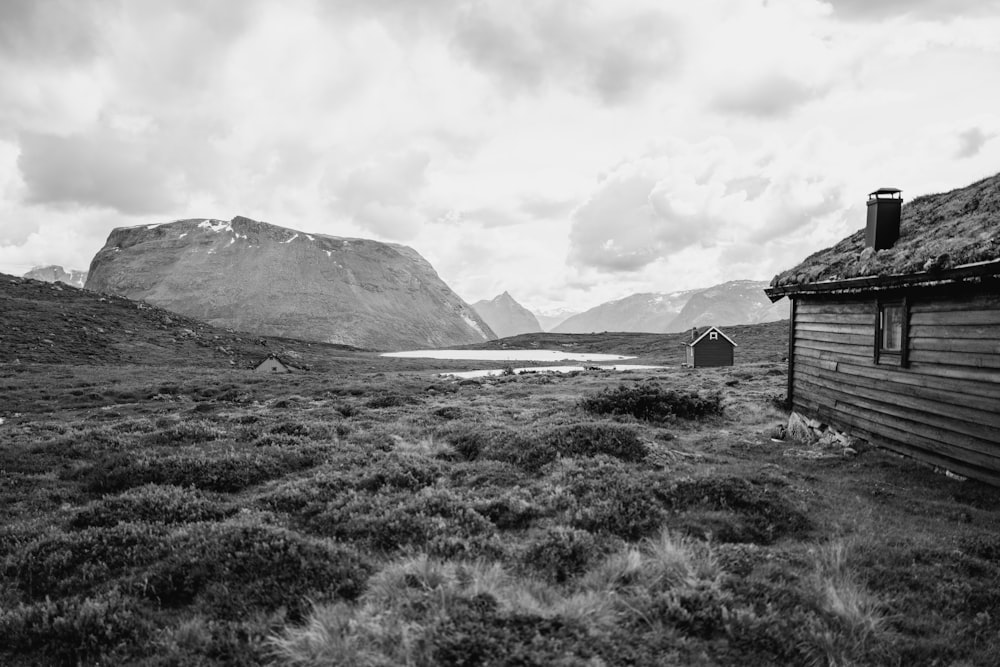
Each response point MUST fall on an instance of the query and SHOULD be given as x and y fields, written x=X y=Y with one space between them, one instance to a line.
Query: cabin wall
x=942 y=408
x=713 y=352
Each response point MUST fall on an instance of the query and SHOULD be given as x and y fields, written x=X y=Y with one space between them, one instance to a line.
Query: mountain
x=734 y=302
x=648 y=311
x=552 y=318
x=54 y=272
x=261 y=278
x=506 y=316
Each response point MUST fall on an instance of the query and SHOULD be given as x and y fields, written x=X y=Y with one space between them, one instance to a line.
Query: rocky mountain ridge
x=506 y=316
x=262 y=278
x=733 y=302
x=54 y=273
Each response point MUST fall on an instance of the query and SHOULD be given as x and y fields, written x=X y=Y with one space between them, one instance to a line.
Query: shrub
x=68 y=563
x=233 y=568
x=389 y=401
x=226 y=471
x=152 y=504
x=605 y=496
x=734 y=509
x=434 y=519
x=651 y=402
x=73 y=630
x=184 y=433
x=561 y=552
x=592 y=439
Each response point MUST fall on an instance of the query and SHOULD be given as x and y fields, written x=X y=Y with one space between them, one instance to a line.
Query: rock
x=798 y=429
x=253 y=276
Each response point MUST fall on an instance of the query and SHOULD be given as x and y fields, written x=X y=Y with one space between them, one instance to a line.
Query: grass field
x=370 y=513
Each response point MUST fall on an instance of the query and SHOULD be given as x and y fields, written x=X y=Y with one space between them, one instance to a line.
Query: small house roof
x=706 y=332
x=951 y=236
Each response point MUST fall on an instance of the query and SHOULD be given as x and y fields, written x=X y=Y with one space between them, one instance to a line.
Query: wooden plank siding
x=709 y=352
x=942 y=407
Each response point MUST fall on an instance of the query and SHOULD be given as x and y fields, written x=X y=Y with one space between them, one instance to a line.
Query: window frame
x=900 y=357
x=713 y=335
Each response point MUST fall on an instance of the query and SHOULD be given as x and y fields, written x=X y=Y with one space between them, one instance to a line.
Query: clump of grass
x=650 y=401
x=560 y=552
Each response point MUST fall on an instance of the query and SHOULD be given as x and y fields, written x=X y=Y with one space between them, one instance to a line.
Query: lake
x=505 y=355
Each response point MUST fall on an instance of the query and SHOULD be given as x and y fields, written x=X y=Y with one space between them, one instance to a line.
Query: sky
x=569 y=152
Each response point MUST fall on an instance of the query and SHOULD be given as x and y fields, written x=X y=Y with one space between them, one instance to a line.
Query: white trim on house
x=706 y=332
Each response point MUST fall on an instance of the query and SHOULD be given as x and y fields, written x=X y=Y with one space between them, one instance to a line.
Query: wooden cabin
x=710 y=347
x=273 y=364
x=894 y=332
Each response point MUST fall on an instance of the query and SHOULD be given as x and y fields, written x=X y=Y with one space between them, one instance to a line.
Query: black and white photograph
x=500 y=333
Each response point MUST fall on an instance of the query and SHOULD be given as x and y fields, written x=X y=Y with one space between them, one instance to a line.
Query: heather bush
x=604 y=495
x=75 y=630
x=186 y=432
x=616 y=440
x=560 y=552
x=151 y=503
x=234 y=568
x=60 y=564
x=649 y=401
x=436 y=520
x=226 y=471
x=735 y=509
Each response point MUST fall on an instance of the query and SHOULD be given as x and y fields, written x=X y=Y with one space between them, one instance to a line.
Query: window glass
x=892 y=328
x=713 y=336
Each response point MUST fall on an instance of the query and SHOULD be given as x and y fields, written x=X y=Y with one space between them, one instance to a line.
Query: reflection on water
x=548 y=369
x=506 y=355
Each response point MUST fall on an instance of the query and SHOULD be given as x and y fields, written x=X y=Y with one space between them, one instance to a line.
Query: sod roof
x=937 y=233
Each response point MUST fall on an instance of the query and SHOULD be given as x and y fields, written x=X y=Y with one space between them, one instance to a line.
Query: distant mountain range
x=506 y=316
x=261 y=278
x=734 y=302
x=55 y=273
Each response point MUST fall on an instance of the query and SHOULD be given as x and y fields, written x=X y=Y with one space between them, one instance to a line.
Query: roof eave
x=874 y=283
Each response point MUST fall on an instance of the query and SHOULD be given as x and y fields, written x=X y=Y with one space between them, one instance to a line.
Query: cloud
x=96 y=169
x=866 y=10
x=530 y=46
x=971 y=141
x=381 y=194
x=686 y=199
x=53 y=31
x=770 y=96
x=618 y=228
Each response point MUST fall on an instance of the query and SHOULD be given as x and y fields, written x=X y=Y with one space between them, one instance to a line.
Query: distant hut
x=895 y=331
x=710 y=347
x=272 y=364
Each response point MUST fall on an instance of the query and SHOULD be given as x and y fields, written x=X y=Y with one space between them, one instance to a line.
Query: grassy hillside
x=180 y=513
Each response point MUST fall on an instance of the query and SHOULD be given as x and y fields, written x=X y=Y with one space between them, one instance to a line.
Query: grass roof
x=937 y=232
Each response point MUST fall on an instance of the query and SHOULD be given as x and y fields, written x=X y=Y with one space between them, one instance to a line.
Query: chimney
x=694 y=333
x=883 y=218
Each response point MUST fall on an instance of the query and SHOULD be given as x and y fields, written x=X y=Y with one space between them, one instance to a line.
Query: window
x=891 y=333
x=713 y=335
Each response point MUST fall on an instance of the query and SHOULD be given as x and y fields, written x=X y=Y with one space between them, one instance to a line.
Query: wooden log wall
x=943 y=408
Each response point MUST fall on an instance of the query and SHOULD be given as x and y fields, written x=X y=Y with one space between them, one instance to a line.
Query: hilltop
x=506 y=316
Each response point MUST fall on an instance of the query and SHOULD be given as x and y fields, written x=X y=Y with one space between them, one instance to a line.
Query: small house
x=709 y=347
x=272 y=364
x=894 y=333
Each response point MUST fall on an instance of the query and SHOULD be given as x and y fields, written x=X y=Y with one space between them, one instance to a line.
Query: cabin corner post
x=791 y=349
